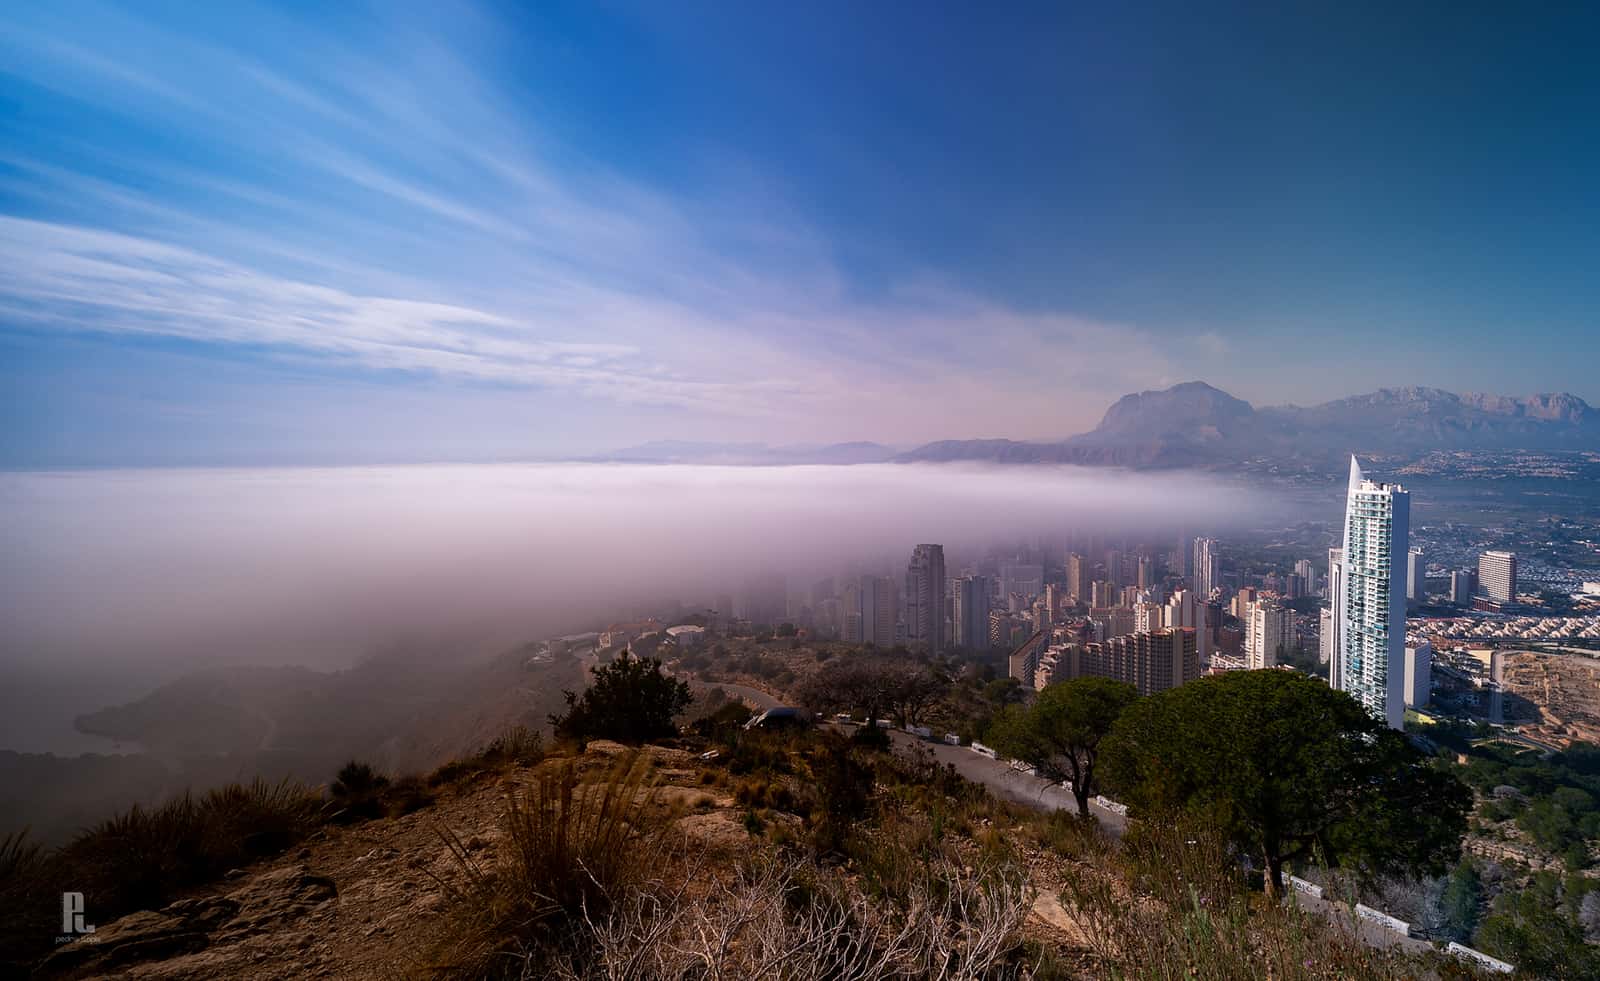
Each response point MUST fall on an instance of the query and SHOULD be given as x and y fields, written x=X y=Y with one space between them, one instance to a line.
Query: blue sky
x=324 y=233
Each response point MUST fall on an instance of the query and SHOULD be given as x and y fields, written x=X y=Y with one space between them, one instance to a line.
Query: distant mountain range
x=1197 y=425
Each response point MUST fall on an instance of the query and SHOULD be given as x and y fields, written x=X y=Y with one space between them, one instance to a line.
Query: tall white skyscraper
x=1207 y=570
x=925 y=585
x=1372 y=598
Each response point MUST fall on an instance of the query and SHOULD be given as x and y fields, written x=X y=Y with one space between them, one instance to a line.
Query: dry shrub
x=792 y=920
x=145 y=857
x=568 y=851
x=1174 y=904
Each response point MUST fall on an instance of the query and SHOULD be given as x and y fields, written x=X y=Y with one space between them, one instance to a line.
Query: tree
x=1288 y=769
x=1060 y=733
x=876 y=685
x=630 y=700
x=1458 y=905
x=1532 y=929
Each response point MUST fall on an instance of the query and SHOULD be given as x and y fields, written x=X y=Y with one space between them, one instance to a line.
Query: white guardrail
x=1114 y=807
x=1479 y=958
x=922 y=732
x=983 y=750
x=1383 y=919
x=1302 y=886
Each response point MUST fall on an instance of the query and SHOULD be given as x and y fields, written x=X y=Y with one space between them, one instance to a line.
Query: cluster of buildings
x=1549 y=629
x=1158 y=617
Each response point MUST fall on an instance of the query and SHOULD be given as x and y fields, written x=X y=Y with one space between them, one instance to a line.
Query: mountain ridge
x=1196 y=424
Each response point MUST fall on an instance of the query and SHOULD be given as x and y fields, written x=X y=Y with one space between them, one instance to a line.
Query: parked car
x=780 y=717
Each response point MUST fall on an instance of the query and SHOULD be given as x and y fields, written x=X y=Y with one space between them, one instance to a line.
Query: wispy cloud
x=392 y=208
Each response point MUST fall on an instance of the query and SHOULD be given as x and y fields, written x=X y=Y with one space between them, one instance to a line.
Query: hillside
x=813 y=852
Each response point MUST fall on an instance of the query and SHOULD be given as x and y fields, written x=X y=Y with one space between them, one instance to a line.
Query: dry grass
x=145 y=857
x=568 y=851
x=1173 y=904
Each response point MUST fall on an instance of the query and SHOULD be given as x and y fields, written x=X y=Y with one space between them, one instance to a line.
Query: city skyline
x=410 y=233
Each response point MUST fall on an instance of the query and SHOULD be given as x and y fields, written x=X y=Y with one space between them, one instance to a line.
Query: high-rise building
x=1148 y=616
x=877 y=610
x=1334 y=644
x=1416 y=576
x=1377 y=528
x=1463 y=583
x=972 y=613
x=1152 y=662
x=1111 y=621
x=1207 y=567
x=1325 y=637
x=1268 y=630
x=1302 y=568
x=1080 y=573
x=1101 y=594
x=1055 y=597
x=925 y=585
x=1497 y=576
x=1024 y=661
x=1419 y=675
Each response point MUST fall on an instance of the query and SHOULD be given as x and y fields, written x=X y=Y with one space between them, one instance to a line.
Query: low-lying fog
x=149 y=572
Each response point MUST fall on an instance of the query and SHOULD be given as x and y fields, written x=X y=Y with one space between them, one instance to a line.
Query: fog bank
x=320 y=566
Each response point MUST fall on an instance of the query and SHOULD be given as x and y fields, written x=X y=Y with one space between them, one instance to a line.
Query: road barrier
x=1302 y=886
x=952 y=739
x=922 y=731
x=1479 y=958
x=1114 y=807
x=1383 y=919
x=983 y=750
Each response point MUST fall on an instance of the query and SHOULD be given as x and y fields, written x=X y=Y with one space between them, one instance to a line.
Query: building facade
x=1497 y=576
x=1268 y=631
x=1207 y=567
x=1372 y=597
x=925 y=601
x=972 y=613
x=1151 y=662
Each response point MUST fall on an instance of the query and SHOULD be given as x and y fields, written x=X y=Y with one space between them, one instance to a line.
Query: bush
x=358 y=792
x=519 y=744
x=630 y=700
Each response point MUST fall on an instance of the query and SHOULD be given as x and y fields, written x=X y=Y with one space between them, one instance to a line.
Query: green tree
x=1458 y=905
x=630 y=700
x=1060 y=733
x=1289 y=770
x=1532 y=929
